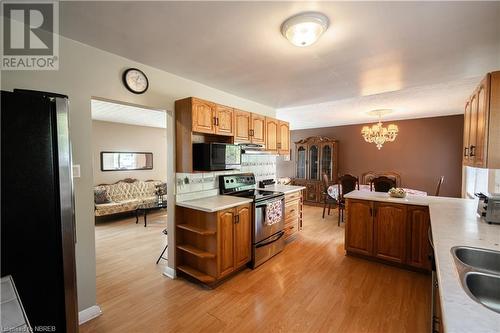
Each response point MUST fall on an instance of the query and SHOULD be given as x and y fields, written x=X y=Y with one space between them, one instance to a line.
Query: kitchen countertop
x=454 y=222
x=214 y=203
x=283 y=188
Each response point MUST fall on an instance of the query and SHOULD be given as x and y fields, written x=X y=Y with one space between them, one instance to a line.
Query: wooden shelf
x=196 y=274
x=196 y=230
x=195 y=251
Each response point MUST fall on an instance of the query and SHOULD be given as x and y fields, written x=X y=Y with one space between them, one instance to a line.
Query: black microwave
x=216 y=156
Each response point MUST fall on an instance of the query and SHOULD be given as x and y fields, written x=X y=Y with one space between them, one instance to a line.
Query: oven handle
x=274 y=239
x=263 y=203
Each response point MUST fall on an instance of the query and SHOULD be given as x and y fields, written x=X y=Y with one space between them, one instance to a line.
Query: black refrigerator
x=37 y=211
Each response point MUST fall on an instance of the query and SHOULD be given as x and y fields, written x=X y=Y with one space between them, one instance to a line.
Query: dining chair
x=382 y=184
x=438 y=188
x=347 y=183
x=327 y=199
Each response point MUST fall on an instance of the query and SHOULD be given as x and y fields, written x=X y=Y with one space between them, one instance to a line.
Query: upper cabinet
x=224 y=120
x=272 y=129
x=198 y=120
x=203 y=119
x=284 y=138
x=258 y=129
x=242 y=121
x=482 y=124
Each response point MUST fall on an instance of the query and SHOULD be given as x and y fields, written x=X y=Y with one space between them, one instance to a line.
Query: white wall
x=87 y=72
x=107 y=136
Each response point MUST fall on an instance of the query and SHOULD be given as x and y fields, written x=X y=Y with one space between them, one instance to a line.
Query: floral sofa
x=124 y=195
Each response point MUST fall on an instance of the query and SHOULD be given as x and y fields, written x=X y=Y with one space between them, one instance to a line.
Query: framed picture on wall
x=125 y=161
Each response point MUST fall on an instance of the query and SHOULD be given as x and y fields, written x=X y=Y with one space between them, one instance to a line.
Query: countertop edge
x=195 y=204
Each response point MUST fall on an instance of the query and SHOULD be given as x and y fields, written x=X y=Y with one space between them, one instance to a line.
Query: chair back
x=347 y=183
x=326 y=183
x=438 y=188
x=367 y=177
x=382 y=184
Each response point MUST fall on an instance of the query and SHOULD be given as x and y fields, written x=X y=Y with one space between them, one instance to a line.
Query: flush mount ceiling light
x=377 y=133
x=305 y=28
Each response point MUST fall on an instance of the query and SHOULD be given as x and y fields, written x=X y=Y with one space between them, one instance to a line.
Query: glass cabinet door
x=326 y=160
x=313 y=162
x=301 y=162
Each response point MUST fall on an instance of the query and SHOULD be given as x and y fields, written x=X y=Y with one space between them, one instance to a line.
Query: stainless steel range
x=268 y=215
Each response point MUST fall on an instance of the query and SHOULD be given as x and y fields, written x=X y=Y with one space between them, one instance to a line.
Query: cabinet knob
x=472 y=150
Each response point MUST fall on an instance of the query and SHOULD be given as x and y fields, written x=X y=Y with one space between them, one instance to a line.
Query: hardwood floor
x=310 y=287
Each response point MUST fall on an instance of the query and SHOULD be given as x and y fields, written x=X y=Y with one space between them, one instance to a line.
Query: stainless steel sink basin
x=478 y=258
x=479 y=271
x=484 y=288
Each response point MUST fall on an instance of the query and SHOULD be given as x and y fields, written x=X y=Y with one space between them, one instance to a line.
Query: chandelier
x=377 y=133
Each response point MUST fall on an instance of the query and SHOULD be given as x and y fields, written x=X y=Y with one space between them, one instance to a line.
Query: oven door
x=267 y=248
x=261 y=229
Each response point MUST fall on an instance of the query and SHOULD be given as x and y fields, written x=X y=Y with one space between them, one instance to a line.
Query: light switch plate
x=76 y=170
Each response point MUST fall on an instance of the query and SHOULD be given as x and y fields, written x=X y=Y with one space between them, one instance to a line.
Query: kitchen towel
x=274 y=212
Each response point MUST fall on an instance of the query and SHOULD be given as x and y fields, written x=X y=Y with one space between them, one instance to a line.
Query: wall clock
x=135 y=81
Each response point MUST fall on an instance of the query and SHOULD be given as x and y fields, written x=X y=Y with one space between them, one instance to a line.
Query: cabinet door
x=466 y=133
x=225 y=231
x=312 y=192
x=418 y=248
x=224 y=120
x=327 y=160
x=242 y=236
x=284 y=138
x=203 y=116
x=473 y=130
x=241 y=126
x=359 y=227
x=301 y=161
x=272 y=127
x=482 y=122
x=390 y=232
x=258 y=129
x=313 y=161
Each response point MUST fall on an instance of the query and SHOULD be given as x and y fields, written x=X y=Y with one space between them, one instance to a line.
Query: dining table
x=333 y=190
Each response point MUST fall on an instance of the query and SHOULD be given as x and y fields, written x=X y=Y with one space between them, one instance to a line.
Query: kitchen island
x=453 y=222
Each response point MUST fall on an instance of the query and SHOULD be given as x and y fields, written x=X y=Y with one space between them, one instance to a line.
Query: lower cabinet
x=211 y=246
x=293 y=214
x=390 y=232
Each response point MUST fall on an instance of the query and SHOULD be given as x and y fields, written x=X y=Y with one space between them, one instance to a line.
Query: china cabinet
x=314 y=157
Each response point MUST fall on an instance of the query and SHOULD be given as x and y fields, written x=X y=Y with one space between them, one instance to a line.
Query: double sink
x=479 y=271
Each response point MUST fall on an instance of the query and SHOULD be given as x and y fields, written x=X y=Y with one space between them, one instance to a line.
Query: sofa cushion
x=101 y=196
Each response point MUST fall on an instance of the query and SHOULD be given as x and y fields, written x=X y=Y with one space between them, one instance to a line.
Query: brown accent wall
x=424 y=150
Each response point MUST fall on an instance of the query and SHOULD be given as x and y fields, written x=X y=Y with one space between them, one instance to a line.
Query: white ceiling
x=127 y=114
x=371 y=48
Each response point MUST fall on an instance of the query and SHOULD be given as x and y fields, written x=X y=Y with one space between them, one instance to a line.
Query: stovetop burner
x=243 y=185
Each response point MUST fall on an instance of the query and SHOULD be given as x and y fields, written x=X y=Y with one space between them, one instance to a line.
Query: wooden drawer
x=292 y=196
x=291 y=210
x=290 y=229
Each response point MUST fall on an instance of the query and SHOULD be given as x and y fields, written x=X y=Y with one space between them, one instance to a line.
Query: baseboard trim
x=169 y=272
x=89 y=313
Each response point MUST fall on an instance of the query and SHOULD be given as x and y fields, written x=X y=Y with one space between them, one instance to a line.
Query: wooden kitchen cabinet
x=482 y=124
x=389 y=232
x=359 y=227
x=293 y=214
x=258 y=129
x=211 y=246
x=272 y=128
x=284 y=138
x=224 y=120
x=242 y=236
x=203 y=116
x=242 y=121
x=418 y=249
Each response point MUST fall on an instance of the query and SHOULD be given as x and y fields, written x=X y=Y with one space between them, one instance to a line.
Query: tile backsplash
x=481 y=180
x=190 y=186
